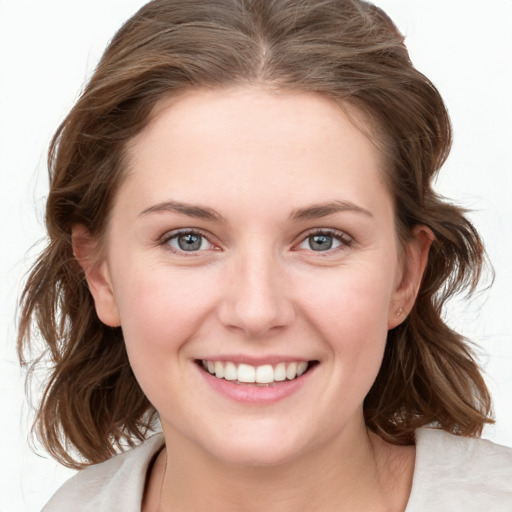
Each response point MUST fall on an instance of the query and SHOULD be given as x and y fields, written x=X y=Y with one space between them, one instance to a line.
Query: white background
x=48 y=49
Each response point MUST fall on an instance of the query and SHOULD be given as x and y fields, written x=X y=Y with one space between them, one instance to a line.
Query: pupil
x=189 y=242
x=320 y=242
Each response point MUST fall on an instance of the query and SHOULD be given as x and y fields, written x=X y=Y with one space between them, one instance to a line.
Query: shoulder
x=114 y=485
x=460 y=474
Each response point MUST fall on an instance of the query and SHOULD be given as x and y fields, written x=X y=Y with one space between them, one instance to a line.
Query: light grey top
x=451 y=474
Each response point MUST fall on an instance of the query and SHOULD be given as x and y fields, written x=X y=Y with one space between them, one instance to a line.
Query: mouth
x=263 y=375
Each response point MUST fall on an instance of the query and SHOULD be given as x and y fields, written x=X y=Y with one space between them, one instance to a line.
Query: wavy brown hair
x=347 y=50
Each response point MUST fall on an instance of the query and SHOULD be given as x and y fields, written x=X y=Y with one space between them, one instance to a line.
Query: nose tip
x=257 y=317
x=256 y=303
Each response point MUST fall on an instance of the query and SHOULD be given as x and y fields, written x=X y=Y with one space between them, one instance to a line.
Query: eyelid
x=169 y=235
x=345 y=239
x=342 y=236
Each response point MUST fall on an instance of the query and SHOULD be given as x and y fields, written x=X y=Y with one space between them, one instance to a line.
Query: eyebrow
x=314 y=211
x=317 y=211
x=198 y=212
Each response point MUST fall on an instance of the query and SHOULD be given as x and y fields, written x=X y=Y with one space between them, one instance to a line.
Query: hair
x=347 y=50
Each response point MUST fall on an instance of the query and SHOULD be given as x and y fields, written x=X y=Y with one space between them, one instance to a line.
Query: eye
x=187 y=241
x=325 y=240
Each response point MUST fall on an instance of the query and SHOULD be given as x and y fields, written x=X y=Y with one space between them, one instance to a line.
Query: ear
x=86 y=251
x=415 y=261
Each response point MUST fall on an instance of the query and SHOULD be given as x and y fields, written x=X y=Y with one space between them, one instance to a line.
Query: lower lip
x=253 y=394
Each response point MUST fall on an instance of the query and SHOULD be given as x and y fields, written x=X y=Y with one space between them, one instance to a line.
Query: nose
x=255 y=299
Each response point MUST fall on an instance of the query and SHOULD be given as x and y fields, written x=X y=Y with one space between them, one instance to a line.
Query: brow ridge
x=316 y=211
x=198 y=212
x=313 y=211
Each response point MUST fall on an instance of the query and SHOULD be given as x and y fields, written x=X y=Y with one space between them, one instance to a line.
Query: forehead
x=266 y=112
x=246 y=141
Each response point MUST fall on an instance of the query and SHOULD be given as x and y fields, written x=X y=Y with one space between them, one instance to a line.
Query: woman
x=245 y=243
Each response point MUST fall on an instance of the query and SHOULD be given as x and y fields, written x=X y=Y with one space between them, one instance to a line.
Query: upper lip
x=253 y=360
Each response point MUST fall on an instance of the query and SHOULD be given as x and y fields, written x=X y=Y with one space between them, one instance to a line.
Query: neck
x=359 y=472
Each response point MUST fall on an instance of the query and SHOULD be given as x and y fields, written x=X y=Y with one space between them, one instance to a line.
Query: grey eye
x=188 y=242
x=320 y=242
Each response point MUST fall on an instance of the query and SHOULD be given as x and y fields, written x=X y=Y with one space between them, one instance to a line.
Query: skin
x=256 y=288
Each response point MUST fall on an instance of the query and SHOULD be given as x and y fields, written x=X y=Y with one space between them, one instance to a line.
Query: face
x=251 y=260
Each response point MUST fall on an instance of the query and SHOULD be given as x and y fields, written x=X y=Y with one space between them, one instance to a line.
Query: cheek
x=348 y=300
x=350 y=312
x=160 y=313
x=160 y=310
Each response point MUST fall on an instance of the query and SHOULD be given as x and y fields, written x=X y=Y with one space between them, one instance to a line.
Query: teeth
x=291 y=371
x=219 y=370
x=246 y=373
x=301 y=368
x=280 y=372
x=265 y=374
x=230 y=372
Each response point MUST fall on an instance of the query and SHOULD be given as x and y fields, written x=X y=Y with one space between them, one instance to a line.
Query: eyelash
x=345 y=240
x=168 y=237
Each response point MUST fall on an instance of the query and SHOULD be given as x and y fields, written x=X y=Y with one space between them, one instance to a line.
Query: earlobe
x=416 y=258
x=97 y=275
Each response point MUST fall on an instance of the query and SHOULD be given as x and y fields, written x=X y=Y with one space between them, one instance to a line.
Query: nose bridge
x=257 y=300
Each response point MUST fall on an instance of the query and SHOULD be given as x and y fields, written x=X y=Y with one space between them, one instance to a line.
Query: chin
x=255 y=455
x=262 y=448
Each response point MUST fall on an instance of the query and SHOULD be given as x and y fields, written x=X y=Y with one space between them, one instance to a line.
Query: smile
x=248 y=374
